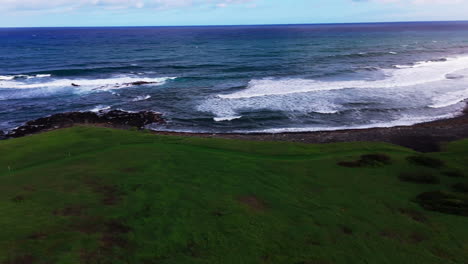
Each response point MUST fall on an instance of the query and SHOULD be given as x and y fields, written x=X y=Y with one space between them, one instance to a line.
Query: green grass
x=96 y=195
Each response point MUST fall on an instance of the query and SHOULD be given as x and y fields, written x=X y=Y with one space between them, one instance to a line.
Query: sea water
x=240 y=78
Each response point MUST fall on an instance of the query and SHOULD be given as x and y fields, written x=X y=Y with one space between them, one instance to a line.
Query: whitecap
x=6 y=78
x=86 y=84
x=99 y=108
x=226 y=118
x=43 y=75
x=22 y=76
x=141 y=98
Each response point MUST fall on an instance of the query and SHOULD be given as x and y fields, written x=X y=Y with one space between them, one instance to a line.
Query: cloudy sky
x=27 y=13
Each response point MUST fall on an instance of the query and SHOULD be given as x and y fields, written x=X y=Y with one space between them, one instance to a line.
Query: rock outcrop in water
x=114 y=118
x=138 y=83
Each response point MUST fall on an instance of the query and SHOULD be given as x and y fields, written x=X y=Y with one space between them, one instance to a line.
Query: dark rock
x=454 y=76
x=114 y=118
x=138 y=83
x=74 y=84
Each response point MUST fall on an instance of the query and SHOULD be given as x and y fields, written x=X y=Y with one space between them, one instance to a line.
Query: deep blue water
x=240 y=78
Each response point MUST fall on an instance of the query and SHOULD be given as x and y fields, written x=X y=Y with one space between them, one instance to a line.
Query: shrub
x=461 y=187
x=419 y=177
x=444 y=202
x=454 y=173
x=369 y=160
x=426 y=161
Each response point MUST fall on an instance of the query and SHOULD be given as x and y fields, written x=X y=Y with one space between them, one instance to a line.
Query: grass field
x=97 y=195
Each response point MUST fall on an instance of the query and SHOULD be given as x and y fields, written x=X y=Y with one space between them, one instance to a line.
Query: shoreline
x=422 y=137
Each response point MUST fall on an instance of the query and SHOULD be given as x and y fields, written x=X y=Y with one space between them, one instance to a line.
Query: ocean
x=278 y=78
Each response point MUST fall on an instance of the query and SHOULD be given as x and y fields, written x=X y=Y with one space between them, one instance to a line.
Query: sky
x=63 y=13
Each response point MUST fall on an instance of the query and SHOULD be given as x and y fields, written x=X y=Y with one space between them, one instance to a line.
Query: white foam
x=420 y=73
x=43 y=75
x=403 y=121
x=85 y=84
x=294 y=106
x=449 y=99
x=22 y=76
x=226 y=118
x=6 y=78
x=100 y=108
x=141 y=98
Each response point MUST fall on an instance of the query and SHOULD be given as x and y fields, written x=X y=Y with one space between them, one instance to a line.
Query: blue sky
x=26 y=13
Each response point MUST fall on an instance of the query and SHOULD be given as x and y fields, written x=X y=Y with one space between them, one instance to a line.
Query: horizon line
x=240 y=25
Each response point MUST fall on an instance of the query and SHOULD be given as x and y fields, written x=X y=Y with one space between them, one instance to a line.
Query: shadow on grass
x=370 y=160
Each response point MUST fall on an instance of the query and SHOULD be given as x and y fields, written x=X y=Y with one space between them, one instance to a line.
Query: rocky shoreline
x=423 y=137
x=114 y=118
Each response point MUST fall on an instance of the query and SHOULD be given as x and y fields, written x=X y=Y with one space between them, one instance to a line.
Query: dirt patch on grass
x=113 y=235
x=370 y=160
x=130 y=170
x=74 y=210
x=444 y=202
x=426 y=161
x=416 y=238
x=346 y=230
x=88 y=225
x=18 y=199
x=253 y=202
x=318 y=261
x=460 y=187
x=25 y=259
x=413 y=214
x=110 y=194
x=29 y=188
x=441 y=253
x=419 y=177
x=454 y=173
x=38 y=236
x=390 y=234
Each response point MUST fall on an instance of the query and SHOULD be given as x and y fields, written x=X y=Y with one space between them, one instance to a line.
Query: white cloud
x=114 y=4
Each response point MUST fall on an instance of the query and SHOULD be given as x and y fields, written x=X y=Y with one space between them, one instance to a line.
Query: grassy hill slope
x=97 y=195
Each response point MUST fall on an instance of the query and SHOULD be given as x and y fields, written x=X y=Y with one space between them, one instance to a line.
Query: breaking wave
x=420 y=73
x=86 y=84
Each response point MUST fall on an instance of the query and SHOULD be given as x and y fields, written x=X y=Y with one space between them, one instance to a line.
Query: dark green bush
x=369 y=160
x=426 y=161
x=454 y=173
x=419 y=177
x=461 y=187
x=444 y=202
